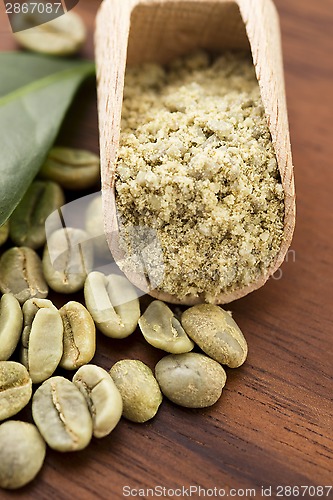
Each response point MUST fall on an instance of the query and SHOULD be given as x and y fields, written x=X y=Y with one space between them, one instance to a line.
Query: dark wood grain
x=273 y=424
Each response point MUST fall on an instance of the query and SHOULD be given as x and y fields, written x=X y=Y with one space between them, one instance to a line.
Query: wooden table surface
x=273 y=424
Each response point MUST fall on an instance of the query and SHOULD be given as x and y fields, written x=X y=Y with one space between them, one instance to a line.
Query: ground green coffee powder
x=197 y=165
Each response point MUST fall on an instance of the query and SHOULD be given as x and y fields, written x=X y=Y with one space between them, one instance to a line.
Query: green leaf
x=35 y=93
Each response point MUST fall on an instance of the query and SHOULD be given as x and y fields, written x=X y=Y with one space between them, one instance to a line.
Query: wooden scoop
x=138 y=31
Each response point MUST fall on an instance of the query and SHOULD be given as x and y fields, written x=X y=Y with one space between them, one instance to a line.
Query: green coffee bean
x=42 y=339
x=4 y=232
x=216 y=333
x=139 y=389
x=22 y=453
x=191 y=380
x=162 y=330
x=102 y=396
x=79 y=336
x=113 y=303
x=71 y=168
x=95 y=228
x=21 y=274
x=60 y=37
x=62 y=415
x=27 y=223
x=15 y=388
x=11 y=320
x=72 y=254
